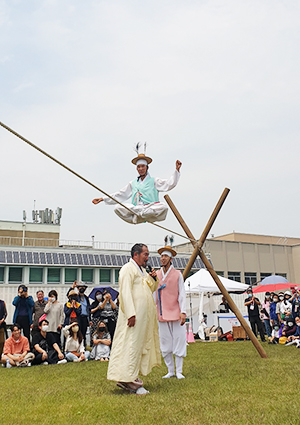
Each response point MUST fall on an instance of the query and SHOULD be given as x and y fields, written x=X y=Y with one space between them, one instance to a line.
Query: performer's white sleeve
x=163 y=185
x=181 y=296
x=122 y=195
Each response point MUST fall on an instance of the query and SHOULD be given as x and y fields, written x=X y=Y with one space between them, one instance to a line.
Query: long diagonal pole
x=81 y=177
x=198 y=249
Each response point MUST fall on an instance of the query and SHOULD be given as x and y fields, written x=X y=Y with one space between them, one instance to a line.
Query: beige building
x=249 y=258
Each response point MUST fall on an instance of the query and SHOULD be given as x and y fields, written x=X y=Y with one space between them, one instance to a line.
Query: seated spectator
x=295 y=339
x=83 y=300
x=72 y=309
x=38 y=311
x=102 y=342
x=290 y=328
x=96 y=311
x=45 y=348
x=74 y=348
x=16 y=349
x=23 y=310
x=3 y=332
x=55 y=316
x=224 y=306
x=275 y=333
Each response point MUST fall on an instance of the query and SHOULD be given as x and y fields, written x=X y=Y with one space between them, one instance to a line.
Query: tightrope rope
x=85 y=180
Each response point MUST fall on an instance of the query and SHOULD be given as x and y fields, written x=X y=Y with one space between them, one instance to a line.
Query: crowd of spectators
x=278 y=316
x=56 y=332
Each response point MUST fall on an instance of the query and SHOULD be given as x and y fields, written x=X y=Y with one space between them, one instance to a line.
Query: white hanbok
x=155 y=211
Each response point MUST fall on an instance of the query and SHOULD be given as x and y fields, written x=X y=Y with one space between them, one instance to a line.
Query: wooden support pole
x=210 y=269
x=205 y=232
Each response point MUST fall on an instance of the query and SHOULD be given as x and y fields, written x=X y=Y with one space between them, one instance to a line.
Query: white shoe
x=63 y=361
x=168 y=375
x=45 y=363
x=180 y=376
x=141 y=391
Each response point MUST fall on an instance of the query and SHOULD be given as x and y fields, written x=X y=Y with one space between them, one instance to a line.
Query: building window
x=15 y=275
x=53 y=275
x=70 y=275
x=105 y=275
x=250 y=278
x=117 y=272
x=220 y=274
x=234 y=276
x=281 y=274
x=1 y=274
x=87 y=275
x=36 y=275
x=263 y=275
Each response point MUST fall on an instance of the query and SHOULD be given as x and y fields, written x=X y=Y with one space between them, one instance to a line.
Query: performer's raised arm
x=164 y=185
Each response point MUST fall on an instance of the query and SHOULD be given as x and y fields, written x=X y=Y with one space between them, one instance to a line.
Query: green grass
x=226 y=383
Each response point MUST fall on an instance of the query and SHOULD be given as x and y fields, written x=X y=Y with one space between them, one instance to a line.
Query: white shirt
x=162 y=185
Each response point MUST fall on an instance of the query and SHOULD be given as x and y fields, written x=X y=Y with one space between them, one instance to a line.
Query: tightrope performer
x=144 y=193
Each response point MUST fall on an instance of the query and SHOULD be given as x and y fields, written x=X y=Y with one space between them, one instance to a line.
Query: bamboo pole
x=210 y=269
x=205 y=232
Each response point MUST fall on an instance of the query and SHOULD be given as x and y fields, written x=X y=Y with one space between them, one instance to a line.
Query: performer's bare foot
x=168 y=375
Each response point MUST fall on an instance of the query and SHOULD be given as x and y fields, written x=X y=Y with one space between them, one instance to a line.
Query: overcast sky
x=212 y=83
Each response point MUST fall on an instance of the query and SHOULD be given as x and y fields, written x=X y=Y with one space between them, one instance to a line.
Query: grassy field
x=226 y=383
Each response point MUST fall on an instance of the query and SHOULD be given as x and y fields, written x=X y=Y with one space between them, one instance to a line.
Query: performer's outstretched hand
x=182 y=319
x=131 y=321
x=178 y=165
x=97 y=200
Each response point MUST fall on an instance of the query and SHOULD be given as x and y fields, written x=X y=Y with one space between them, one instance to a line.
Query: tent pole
x=213 y=274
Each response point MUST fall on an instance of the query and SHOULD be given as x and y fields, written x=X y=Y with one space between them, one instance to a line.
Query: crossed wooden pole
x=198 y=251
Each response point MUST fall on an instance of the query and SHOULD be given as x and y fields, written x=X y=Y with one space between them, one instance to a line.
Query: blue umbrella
x=111 y=290
x=273 y=280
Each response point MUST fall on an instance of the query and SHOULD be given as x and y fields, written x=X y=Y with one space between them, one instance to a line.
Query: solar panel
x=85 y=260
x=61 y=258
x=16 y=257
x=97 y=259
x=49 y=258
x=124 y=259
x=8 y=257
x=108 y=260
x=119 y=260
x=36 y=259
x=2 y=257
x=74 y=259
x=23 y=257
x=91 y=259
x=29 y=257
x=55 y=258
x=113 y=260
x=79 y=259
x=42 y=258
x=102 y=260
x=68 y=258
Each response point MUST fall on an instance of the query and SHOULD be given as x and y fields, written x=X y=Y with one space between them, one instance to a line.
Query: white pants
x=172 y=338
x=156 y=211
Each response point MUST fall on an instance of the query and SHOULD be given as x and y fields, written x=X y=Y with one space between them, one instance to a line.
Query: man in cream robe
x=143 y=193
x=136 y=341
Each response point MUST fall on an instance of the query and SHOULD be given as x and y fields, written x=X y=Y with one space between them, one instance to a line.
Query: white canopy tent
x=202 y=283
